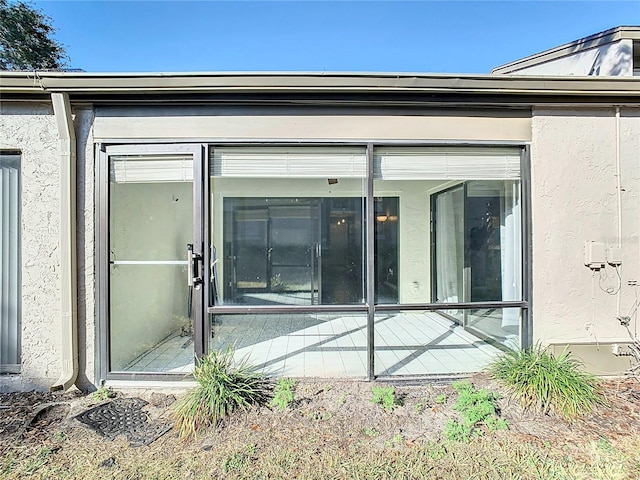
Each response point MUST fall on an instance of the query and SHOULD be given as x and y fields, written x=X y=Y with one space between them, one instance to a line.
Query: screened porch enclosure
x=336 y=261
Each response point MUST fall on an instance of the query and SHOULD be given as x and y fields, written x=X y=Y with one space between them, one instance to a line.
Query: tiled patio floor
x=333 y=345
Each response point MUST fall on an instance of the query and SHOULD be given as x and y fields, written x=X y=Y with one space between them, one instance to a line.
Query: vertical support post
x=370 y=246
x=466 y=261
x=466 y=293
x=198 y=250
x=101 y=167
x=526 y=329
x=208 y=271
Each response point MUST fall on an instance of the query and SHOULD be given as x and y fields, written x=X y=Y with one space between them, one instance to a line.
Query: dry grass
x=496 y=458
x=327 y=435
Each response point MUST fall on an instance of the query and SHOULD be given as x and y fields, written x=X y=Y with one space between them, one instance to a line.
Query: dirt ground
x=326 y=414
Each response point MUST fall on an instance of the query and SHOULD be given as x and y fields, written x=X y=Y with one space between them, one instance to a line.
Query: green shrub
x=385 y=397
x=224 y=386
x=478 y=408
x=283 y=393
x=548 y=383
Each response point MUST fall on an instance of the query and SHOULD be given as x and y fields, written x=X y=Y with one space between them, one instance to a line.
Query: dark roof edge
x=581 y=45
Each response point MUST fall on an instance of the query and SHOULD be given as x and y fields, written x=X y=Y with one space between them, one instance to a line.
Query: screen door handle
x=193 y=280
x=190 y=264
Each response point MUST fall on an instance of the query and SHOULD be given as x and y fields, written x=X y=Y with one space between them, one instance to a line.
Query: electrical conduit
x=619 y=195
x=619 y=182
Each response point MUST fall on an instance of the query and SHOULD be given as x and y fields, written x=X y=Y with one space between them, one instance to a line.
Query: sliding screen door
x=442 y=191
x=155 y=251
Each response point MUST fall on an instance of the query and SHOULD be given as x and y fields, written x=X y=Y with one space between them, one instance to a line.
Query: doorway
x=154 y=285
x=293 y=251
x=270 y=251
x=476 y=253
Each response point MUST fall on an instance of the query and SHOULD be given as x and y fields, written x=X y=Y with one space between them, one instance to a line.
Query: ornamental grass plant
x=548 y=383
x=224 y=386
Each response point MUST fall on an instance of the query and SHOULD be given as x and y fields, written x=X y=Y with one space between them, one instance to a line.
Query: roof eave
x=263 y=82
x=581 y=45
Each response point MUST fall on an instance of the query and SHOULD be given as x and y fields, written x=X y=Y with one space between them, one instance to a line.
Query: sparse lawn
x=336 y=431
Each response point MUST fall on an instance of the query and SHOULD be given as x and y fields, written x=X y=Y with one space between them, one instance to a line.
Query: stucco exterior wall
x=31 y=129
x=575 y=200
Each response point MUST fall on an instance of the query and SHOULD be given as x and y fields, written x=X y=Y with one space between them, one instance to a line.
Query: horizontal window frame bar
x=388 y=307
x=239 y=310
x=312 y=142
x=148 y=262
x=120 y=375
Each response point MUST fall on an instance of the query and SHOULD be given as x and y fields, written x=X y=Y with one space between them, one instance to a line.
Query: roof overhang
x=318 y=87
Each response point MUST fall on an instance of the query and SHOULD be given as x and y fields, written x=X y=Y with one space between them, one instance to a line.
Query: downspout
x=68 y=253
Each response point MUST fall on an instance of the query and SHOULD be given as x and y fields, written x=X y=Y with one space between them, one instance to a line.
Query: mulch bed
x=339 y=410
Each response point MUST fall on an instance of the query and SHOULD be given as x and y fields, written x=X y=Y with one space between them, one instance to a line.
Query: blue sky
x=396 y=36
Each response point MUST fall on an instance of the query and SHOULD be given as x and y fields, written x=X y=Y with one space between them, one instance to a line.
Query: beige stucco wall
x=228 y=123
x=574 y=200
x=31 y=129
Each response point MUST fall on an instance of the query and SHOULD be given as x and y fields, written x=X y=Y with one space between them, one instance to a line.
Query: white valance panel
x=151 y=168
x=447 y=163
x=295 y=162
